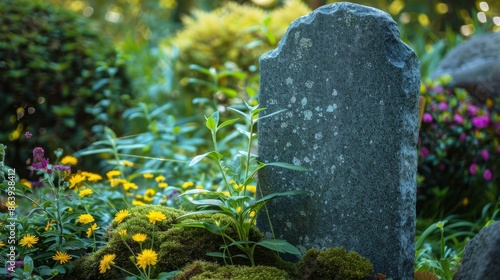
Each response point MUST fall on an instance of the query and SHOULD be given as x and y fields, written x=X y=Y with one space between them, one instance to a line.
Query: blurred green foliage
x=59 y=80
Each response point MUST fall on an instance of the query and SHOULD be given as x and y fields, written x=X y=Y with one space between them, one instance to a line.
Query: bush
x=232 y=38
x=58 y=79
x=459 y=153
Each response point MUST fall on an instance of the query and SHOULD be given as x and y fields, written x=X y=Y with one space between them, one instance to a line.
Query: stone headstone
x=350 y=88
x=475 y=66
x=481 y=259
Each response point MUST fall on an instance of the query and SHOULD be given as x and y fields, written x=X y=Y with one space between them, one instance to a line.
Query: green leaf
x=216 y=254
x=226 y=123
x=200 y=69
x=211 y=124
x=229 y=92
x=279 y=245
x=288 y=166
x=247 y=116
x=198 y=158
x=168 y=275
x=270 y=115
x=28 y=264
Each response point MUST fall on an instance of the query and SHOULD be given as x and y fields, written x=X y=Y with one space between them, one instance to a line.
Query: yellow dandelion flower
x=62 y=257
x=138 y=203
x=91 y=177
x=139 y=237
x=238 y=209
x=75 y=180
x=106 y=262
x=116 y=182
x=121 y=215
x=252 y=214
x=2 y=244
x=69 y=160
x=147 y=175
x=162 y=185
x=122 y=232
x=149 y=192
x=226 y=193
x=85 y=192
x=113 y=173
x=199 y=187
x=85 y=219
x=148 y=198
x=156 y=216
x=187 y=185
x=129 y=185
x=26 y=183
x=91 y=230
x=160 y=179
x=127 y=163
x=28 y=240
x=147 y=257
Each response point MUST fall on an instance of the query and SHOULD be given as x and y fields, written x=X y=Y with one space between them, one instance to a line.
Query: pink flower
x=427 y=118
x=487 y=175
x=485 y=154
x=39 y=162
x=438 y=89
x=463 y=136
x=458 y=118
x=481 y=121
x=443 y=106
x=28 y=134
x=472 y=109
x=473 y=169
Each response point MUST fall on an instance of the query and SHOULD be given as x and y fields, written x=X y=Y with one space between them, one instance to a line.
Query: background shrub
x=58 y=79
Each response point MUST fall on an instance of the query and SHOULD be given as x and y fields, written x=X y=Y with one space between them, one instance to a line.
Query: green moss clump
x=176 y=246
x=200 y=270
x=334 y=264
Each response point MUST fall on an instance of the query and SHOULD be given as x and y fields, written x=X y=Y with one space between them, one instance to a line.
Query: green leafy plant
x=242 y=209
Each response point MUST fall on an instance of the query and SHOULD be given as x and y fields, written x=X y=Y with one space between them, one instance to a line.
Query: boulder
x=481 y=256
x=475 y=66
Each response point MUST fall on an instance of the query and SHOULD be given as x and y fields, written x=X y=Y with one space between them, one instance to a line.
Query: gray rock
x=350 y=88
x=475 y=66
x=481 y=259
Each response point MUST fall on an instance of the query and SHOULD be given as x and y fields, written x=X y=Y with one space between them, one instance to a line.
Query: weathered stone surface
x=475 y=66
x=481 y=259
x=350 y=87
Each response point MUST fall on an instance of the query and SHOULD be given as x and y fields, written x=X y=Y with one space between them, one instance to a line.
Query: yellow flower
x=106 y=262
x=121 y=215
x=156 y=216
x=138 y=203
x=2 y=244
x=62 y=257
x=26 y=183
x=139 y=237
x=116 y=182
x=127 y=163
x=199 y=187
x=91 y=177
x=75 y=180
x=29 y=240
x=69 y=160
x=160 y=179
x=187 y=185
x=147 y=175
x=113 y=173
x=162 y=185
x=147 y=257
x=85 y=219
x=149 y=192
x=129 y=185
x=85 y=192
x=91 y=229
x=48 y=225
x=122 y=232
x=252 y=189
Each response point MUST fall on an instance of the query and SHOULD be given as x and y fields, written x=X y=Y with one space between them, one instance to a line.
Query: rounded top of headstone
x=475 y=66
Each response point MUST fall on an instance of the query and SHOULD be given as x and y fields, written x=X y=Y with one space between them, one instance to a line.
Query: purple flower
x=36 y=184
x=39 y=162
x=438 y=89
x=424 y=152
x=458 y=118
x=473 y=169
x=28 y=134
x=463 y=136
x=485 y=154
x=60 y=167
x=481 y=121
x=487 y=175
x=472 y=109
x=427 y=118
x=443 y=106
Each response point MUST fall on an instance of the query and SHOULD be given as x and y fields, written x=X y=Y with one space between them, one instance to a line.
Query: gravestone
x=350 y=88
